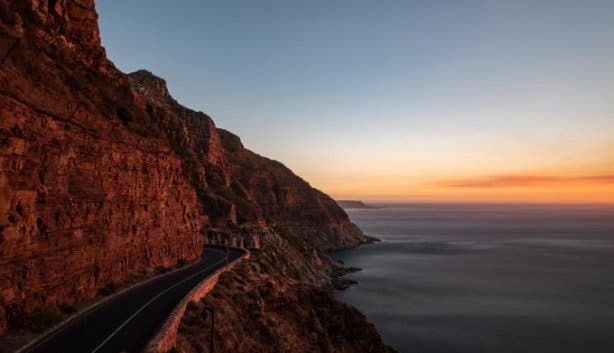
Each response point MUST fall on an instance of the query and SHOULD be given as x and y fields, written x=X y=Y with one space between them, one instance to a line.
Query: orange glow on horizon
x=500 y=189
x=515 y=172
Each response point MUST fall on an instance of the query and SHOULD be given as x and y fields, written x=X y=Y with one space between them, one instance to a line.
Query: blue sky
x=372 y=99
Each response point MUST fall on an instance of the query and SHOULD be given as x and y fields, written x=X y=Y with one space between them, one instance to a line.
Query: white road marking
x=79 y=318
x=151 y=301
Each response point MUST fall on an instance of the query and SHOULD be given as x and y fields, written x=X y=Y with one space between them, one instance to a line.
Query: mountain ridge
x=352 y=204
x=104 y=176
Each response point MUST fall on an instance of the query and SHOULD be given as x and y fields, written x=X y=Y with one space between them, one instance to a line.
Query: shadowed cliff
x=104 y=176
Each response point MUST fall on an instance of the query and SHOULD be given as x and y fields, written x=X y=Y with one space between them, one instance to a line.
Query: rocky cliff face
x=275 y=314
x=103 y=175
x=84 y=201
x=239 y=187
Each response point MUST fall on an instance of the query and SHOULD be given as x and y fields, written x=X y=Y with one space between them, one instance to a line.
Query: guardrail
x=166 y=337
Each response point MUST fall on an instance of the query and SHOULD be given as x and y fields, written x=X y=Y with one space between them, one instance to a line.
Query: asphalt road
x=127 y=322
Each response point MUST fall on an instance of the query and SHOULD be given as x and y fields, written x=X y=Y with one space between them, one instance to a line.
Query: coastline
x=338 y=281
x=464 y=261
x=280 y=298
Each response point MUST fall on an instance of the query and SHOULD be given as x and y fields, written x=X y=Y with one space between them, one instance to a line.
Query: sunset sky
x=396 y=100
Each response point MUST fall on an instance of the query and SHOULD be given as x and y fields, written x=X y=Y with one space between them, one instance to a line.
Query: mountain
x=349 y=204
x=104 y=177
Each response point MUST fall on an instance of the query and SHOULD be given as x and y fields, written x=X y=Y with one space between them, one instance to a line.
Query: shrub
x=68 y=308
x=125 y=115
x=161 y=269
x=42 y=318
x=182 y=262
x=108 y=289
x=137 y=127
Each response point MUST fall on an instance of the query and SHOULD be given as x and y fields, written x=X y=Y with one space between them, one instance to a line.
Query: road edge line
x=166 y=336
x=50 y=332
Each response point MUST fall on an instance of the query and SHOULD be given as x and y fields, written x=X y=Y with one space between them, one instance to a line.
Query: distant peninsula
x=352 y=204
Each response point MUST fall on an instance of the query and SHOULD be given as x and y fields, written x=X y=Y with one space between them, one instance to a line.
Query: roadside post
x=227 y=251
x=205 y=313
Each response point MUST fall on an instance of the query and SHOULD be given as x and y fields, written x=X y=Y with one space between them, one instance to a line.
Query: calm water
x=469 y=278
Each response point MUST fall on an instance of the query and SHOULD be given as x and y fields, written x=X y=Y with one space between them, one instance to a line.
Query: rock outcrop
x=104 y=175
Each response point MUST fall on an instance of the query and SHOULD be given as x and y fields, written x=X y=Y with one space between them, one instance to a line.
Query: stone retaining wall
x=165 y=339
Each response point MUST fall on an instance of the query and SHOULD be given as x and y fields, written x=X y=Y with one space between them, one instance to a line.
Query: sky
x=506 y=101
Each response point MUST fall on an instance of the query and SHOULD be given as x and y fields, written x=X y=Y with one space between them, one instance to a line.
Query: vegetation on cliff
x=279 y=301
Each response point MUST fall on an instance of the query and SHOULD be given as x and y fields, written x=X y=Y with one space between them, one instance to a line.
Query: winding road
x=126 y=322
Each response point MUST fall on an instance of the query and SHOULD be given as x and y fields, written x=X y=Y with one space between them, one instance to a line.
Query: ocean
x=454 y=278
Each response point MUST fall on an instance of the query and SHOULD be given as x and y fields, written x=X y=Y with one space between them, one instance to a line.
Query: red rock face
x=241 y=187
x=84 y=201
x=103 y=175
x=77 y=19
x=75 y=204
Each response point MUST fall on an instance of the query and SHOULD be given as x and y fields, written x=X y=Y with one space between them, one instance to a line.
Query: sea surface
x=487 y=278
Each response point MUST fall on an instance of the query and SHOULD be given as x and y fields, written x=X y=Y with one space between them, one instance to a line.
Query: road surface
x=127 y=322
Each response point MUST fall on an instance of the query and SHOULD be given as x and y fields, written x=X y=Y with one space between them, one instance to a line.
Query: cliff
x=84 y=201
x=239 y=187
x=276 y=315
x=104 y=175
